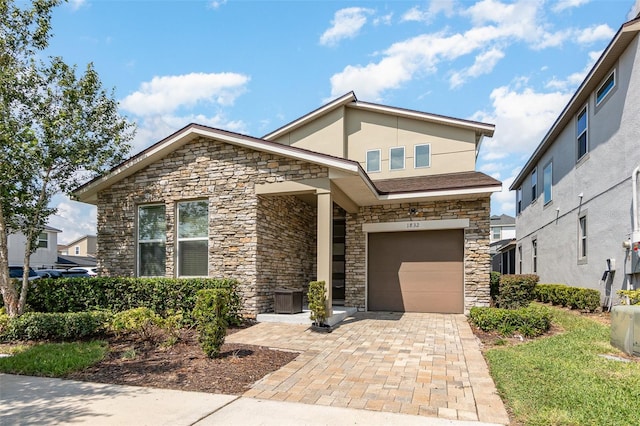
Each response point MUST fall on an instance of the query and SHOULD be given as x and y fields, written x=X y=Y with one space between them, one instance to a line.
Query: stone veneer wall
x=286 y=255
x=203 y=169
x=476 y=244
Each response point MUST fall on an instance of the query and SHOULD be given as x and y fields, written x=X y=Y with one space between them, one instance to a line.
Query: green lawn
x=563 y=380
x=53 y=359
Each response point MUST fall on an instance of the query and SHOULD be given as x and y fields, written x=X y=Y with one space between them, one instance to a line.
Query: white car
x=90 y=270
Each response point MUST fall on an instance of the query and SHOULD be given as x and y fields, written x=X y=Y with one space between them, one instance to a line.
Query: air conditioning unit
x=625 y=329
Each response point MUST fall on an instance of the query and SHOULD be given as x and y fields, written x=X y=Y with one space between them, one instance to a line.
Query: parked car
x=89 y=270
x=16 y=272
x=62 y=273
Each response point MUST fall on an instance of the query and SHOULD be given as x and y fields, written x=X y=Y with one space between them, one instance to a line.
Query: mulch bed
x=184 y=366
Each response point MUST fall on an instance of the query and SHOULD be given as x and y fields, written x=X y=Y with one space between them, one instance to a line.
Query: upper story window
x=534 y=184
x=547 y=181
x=43 y=240
x=373 y=160
x=581 y=132
x=193 y=238
x=152 y=232
x=77 y=250
x=606 y=87
x=396 y=158
x=422 y=156
x=495 y=232
x=518 y=200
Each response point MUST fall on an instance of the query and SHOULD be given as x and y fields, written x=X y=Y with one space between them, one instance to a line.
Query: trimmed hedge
x=162 y=295
x=584 y=299
x=633 y=295
x=54 y=326
x=516 y=291
x=494 y=285
x=210 y=312
x=531 y=321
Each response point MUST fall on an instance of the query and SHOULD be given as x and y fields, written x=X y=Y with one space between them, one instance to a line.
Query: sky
x=253 y=66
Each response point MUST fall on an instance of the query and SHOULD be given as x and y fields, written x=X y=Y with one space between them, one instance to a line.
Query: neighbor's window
x=581 y=132
x=606 y=87
x=518 y=200
x=422 y=156
x=496 y=232
x=396 y=158
x=373 y=160
x=193 y=238
x=152 y=231
x=43 y=240
x=547 y=181
x=534 y=184
x=582 y=237
x=77 y=250
x=534 y=251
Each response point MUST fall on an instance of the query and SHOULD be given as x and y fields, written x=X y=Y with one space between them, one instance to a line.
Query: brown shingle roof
x=449 y=181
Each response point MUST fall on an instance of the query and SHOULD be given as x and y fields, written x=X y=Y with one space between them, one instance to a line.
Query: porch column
x=325 y=243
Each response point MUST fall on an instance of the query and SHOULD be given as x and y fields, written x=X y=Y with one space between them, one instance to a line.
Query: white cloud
x=215 y=4
x=635 y=10
x=562 y=5
x=573 y=80
x=383 y=20
x=346 y=23
x=168 y=93
x=505 y=200
x=595 y=33
x=416 y=14
x=484 y=64
x=77 y=4
x=74 y=219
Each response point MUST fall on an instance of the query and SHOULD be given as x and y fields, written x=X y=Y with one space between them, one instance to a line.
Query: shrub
x=210 y=313
x=56 y=326
x=317 y=297
x=531 y=321
x=633 y=295
x=140 y=321
x=516 y=291
x=584 y=299
x=494 y=286
x=162 y=295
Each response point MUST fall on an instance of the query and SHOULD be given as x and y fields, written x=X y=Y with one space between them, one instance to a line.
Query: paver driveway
x=423 y=364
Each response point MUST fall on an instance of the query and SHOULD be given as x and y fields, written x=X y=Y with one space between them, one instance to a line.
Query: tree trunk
x=7 y=286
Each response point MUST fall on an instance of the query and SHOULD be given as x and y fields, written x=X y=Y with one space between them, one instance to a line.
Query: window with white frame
x=193 y=238
x=582 y=238
x=581 y=132
x=373 y=160
x=152 y=231
x=606 y=87
x=422 y=156
x=534 y=184
x=547 y=182
x=534 y=252
x=520 y=259
x=43 y=240
x=396 y=158
x=77 y=250
x=496 y=232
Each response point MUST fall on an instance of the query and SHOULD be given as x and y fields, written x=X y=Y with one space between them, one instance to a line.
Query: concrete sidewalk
x=28 y=400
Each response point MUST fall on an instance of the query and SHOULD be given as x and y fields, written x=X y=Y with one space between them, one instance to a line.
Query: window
x=152 y=231
x=495 y=231
x=77 y=250
x=534 y=251
x=518 y=200
x=547 y=181
x=519 y=259
x=373 y=160
x=422 y=156
x=582 y=238
x=581 y=132
x=606 y=87
x=534 y=184
x=193 y=238
x=43 y=240
x=396 y=158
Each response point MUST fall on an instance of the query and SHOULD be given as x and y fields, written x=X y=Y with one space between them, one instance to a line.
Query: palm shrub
x=210 y=313
x=317 y=296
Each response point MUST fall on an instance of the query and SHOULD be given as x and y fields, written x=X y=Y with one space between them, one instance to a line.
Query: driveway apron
x=412 y=363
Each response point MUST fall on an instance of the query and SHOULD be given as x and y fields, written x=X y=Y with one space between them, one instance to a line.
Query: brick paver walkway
x=423 y=364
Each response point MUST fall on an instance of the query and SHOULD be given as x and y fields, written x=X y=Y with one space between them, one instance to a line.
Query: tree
x=56 y=130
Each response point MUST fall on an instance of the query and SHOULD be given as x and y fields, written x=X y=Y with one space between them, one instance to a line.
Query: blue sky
x=252 y=66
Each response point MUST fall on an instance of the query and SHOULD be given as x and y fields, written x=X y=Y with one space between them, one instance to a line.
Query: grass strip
x=563 y=380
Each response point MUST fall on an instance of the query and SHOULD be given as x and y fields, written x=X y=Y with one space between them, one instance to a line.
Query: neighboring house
x=503 y=227
x=574 y=201
x=502 y=244
x=67 y=261
x=83 y=246
x=45 y=255
x=382 y=203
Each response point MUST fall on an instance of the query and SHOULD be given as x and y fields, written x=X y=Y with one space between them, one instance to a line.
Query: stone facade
x=261 y=241
x=476 y=244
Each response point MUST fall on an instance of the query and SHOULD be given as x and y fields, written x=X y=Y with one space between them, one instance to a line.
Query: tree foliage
x=56 y=129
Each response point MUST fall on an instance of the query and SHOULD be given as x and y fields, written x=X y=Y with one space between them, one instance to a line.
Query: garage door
x=417 y=271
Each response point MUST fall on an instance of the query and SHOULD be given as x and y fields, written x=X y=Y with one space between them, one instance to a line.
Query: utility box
x=625 y=329
x=287 y=301
x=635 y=257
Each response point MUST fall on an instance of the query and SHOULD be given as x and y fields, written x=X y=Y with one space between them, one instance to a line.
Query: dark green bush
x=140 y=321
x=516 y=291
x=529 y=322
x=162 y=295
x=584 y=299
x=56 y=326
x=494 y=285
x=317 y=296
x=210 y=313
